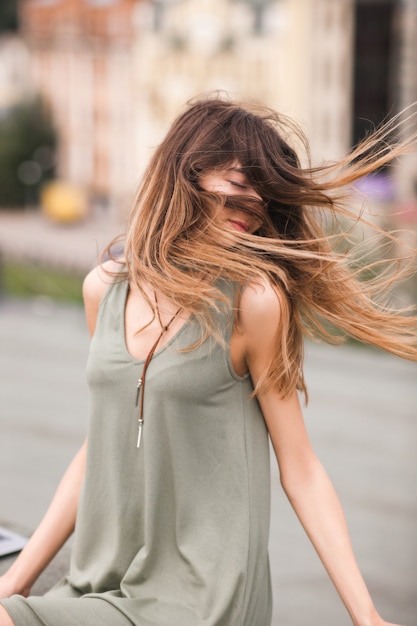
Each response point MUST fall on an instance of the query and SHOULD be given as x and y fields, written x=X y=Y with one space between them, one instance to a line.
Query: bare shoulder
x=262 y=319
x=260 y=308
x=97 y=281
x=95 y=286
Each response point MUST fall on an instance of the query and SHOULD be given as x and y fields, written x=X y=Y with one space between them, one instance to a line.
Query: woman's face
x=232 y=181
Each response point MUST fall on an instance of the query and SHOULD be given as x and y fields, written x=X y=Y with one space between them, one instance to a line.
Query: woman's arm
x=302 y=476
x=51 y=534
x=59 y=521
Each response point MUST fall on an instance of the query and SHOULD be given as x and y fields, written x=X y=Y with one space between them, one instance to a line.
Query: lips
x=240 y=226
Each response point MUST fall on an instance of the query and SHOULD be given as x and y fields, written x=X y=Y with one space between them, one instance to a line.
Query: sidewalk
x=28 y=236
x=363 y=423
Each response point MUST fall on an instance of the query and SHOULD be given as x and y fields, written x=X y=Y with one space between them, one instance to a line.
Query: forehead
x=248 y=173
x=234 y=166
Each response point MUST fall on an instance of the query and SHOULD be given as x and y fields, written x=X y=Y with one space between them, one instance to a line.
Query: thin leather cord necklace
x=141 y=381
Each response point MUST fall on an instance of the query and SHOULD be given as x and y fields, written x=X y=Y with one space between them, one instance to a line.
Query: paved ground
x=28 y=236
x=362 y=419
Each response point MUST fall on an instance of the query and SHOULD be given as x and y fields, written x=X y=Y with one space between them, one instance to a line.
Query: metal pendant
x=139 y=432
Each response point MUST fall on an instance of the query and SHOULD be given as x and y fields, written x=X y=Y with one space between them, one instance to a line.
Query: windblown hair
x=172 y=239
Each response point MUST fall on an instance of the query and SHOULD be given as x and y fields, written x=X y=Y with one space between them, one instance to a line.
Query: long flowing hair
x=177 y=247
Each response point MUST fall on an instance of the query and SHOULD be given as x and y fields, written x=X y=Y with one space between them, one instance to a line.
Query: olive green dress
x=174 y=533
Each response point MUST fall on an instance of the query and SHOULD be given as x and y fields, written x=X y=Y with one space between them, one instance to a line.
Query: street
x=362 y=418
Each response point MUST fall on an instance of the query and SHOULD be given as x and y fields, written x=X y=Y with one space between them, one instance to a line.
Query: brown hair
x=172 y=238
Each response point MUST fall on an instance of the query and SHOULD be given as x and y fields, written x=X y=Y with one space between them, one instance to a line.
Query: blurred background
x=87 y=89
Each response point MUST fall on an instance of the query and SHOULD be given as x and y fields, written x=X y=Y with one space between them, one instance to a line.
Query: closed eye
x=240 y=185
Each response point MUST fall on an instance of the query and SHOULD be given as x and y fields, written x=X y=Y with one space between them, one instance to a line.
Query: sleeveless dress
x=174 y=533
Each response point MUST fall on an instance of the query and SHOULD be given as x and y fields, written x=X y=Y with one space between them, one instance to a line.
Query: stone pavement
x=362 y=420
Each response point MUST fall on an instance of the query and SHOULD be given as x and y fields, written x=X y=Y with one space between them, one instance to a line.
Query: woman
x=196 y=356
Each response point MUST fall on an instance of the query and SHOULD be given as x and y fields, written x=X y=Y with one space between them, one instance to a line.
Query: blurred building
x=14 y=70
x=118 y=71
x=82 y=61
x=294 y=55
x=385 y=77
x=406 y=29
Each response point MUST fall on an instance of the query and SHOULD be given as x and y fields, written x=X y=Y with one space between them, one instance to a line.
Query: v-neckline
x=160 y=348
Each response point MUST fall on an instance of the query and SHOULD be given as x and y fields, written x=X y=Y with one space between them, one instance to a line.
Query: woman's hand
x=376 y=620
x=9 y=587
